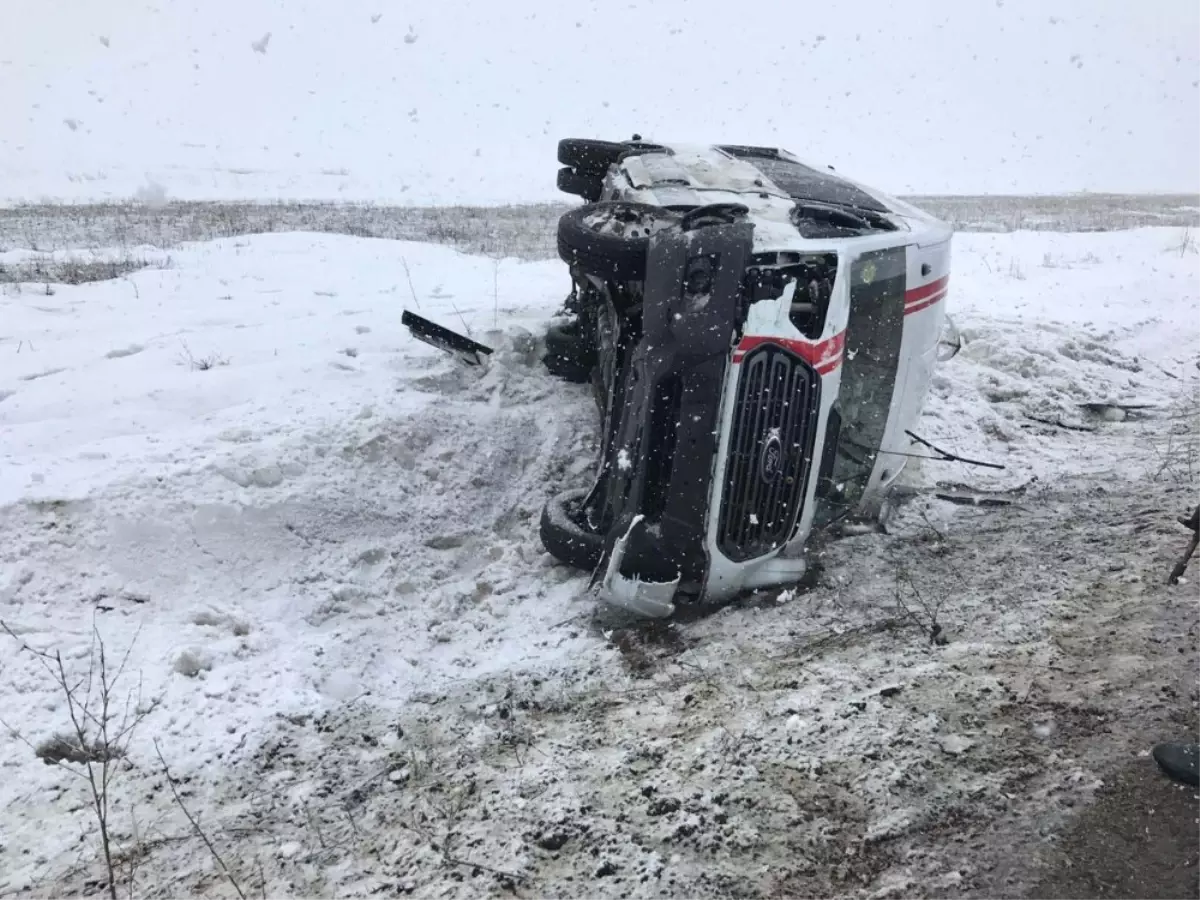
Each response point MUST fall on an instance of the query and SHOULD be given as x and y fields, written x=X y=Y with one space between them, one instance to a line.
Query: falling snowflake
x=260 y=46
x=411 y=37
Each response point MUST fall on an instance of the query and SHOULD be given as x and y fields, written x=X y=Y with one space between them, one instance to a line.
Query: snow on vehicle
x=761 y=335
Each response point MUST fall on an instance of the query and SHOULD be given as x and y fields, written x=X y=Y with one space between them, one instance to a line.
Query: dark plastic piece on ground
x=1180 y=762
x=469 y=351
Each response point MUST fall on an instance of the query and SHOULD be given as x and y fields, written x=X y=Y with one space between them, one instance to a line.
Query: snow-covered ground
x=315 y=538
x=462 y=102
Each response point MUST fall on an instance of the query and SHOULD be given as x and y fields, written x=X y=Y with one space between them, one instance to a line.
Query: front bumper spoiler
x=650 y=599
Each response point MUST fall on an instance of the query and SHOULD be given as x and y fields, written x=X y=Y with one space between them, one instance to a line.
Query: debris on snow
x=955 y=744
x=192 y=662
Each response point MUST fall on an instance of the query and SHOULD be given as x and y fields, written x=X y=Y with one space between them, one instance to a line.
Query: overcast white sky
x=459 y=100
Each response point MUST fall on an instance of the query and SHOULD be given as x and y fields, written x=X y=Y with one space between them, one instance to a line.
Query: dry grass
x=1066 y=212
x=69 y=270
x=525 y=232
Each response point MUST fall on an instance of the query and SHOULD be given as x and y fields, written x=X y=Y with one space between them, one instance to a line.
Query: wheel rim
x=628 y=222
x=575 y=510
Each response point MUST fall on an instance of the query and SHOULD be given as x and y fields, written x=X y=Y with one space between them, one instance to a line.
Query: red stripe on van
x=924 y=304
x=926 y=290
x=824 y=356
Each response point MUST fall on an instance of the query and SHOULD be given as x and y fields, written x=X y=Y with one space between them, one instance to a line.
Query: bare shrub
x=919 y=609
x=102 y=719
x=1186 y=244
x=1176 y=442
x=201 y=363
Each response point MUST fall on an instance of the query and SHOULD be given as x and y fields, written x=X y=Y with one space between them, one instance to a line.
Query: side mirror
x=950 y=341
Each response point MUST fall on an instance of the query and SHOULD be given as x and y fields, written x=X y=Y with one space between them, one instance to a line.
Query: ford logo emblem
x=772 y=459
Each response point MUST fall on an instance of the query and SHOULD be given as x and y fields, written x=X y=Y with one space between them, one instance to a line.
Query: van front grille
x=770 y=452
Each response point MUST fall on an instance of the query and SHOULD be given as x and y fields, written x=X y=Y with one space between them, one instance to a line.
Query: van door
x=868 y=385
x=924 y=316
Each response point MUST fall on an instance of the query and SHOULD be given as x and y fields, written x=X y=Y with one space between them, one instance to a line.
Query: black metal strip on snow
x=469 y=351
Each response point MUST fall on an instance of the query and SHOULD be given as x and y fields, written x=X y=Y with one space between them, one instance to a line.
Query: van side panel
x=926 y=287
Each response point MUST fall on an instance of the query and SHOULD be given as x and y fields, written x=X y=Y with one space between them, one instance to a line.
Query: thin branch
x=196 y=825
x=14 y=733
x=456 y=861
x=128 y=651
x=52 y=663
x=412 y=290
x=447 y=857
x=941 y=537
x=466 y=327
x=1059 y=423
x=495 y=293
x=262 y=877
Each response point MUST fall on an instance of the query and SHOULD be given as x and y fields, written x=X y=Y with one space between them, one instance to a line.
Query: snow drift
x=236 y=465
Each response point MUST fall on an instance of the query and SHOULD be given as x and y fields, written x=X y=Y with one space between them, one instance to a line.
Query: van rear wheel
x=589 y=157
x=609 y=240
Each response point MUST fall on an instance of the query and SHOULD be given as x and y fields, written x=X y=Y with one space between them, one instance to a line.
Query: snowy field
x=308 y=546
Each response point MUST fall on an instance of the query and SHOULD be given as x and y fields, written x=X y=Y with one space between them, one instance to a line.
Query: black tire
x=564 y=534
x=618 y=254
x=588 y=157
x=569 y=354
x=589 y=187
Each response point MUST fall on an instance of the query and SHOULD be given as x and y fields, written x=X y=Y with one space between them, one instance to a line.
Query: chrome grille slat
x=777 y=398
